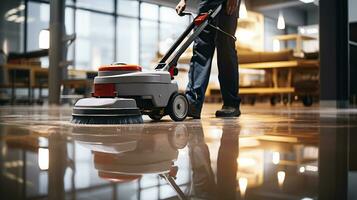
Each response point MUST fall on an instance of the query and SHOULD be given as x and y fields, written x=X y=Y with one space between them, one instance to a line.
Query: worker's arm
x=232 y=6
x=181 y=6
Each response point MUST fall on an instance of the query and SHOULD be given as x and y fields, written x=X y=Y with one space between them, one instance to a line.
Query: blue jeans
x=227 y=61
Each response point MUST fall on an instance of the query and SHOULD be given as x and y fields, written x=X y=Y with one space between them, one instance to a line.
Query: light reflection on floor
x=267 y=153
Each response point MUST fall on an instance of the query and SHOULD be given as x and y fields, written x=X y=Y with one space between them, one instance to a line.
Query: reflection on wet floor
x=265 y=154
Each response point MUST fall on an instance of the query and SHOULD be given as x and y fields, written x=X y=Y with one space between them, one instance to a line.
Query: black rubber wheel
x=252 y=101
x=39 y=102
x=273 y=100
x=307 y=100
x=178 y=107
x=285 y=100
x=156 y=116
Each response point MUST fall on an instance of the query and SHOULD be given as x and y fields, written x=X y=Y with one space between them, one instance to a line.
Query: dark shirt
x=206 y=5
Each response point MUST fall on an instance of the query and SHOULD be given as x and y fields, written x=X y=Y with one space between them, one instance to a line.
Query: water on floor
x=267 y=153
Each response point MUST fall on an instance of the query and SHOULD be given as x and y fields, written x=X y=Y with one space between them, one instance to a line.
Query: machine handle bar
x=185 y=14
x=170 y=59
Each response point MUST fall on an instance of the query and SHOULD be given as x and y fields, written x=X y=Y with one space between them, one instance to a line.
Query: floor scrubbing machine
x=123 y=93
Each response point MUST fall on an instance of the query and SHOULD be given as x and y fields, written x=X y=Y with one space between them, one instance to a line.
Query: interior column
x=334 y=70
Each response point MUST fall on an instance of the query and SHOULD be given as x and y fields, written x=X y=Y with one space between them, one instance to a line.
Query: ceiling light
x=307 y=198
x=307 y=1
x=302 y=169
x=11 y=18
x=281 y=178
x=20 y=19
x=21 y=7
x=11 y=12
x=281 y=21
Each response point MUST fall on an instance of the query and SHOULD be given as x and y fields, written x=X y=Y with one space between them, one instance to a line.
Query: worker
x=227 y=60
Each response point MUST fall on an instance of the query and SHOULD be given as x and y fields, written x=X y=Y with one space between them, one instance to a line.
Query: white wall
x=352 y=5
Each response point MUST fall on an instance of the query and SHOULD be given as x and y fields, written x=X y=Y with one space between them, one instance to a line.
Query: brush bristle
x=135 y=119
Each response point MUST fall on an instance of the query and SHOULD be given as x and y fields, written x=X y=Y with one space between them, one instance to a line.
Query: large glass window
x=11 y=26
x=149 y=11
x=149 y=34
x=128 y=7
x=149 y=43
x=38 y=19
x=101 y=5
x=169 y=15
x=95 y=43
x=171 y=27
x=69 y=20
x=128 y=40
x=95 y=39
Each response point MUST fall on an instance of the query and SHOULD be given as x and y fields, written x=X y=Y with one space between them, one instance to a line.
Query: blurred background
x=278 y=47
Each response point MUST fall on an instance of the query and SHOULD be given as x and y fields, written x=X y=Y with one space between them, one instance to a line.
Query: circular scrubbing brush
x=106 y=111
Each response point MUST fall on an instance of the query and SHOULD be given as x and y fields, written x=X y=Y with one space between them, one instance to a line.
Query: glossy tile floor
x=268 y=153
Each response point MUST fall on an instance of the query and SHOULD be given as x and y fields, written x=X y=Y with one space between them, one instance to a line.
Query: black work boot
x=228 y=111
x=193 y=112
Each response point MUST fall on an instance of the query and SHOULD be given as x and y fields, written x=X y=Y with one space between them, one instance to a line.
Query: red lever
x=172 y=72
x=200 y=19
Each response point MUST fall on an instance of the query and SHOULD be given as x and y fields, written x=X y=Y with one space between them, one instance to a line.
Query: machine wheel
x=273 y=100
x=252 y=100
x=178 y=107
x=307 y=100
x=285 y=100
x=39 y=102
x=155 y=116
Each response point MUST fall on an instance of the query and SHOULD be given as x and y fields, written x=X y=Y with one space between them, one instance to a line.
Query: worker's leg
x=200 y=69
x=227 y=59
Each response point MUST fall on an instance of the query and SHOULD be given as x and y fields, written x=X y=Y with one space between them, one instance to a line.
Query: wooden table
x=297 y=38
x=33 y=71
x=286 y=90
x=275 y=66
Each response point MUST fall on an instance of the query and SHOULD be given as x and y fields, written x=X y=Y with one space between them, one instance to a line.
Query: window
x=69 y=20
x=11 y=32
x=101 y=5
x=169 y=15
x=38 y=19
x=171 y=27
x=149 y=34
x=128 y=40
x=95 y=39
x=128 y=8
x=149 y=11
x=149 y=43
x=95 y=44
